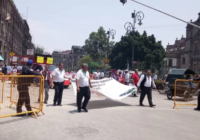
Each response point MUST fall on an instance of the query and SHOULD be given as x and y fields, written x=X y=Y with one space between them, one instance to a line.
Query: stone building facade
x=185 y=53
x=69 y=58
x=14 y=31
x=192 y=51
x=175 y=54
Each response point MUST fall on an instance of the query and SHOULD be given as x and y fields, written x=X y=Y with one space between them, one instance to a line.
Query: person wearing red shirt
x=136 y=78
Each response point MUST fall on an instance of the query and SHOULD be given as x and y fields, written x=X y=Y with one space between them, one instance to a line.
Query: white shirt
x=148 y=81
x=127 y=77
x=83 y=78
x=155 y=77
x=102 y=74
x=58 y=75
x=98 y=75
x=14 y=71
x=47 y=72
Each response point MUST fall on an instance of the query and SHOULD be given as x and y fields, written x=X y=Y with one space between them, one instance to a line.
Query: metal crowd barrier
x=20 y=95
x=185 y=89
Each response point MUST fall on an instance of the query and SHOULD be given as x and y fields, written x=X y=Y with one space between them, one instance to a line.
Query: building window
x=170 y=62
x=183 y=60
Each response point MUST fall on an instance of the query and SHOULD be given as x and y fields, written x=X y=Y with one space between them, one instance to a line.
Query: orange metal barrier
x=20 y=96
x=182 y=88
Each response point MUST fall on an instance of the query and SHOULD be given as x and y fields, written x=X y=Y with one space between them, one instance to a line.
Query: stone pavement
x=106 y=120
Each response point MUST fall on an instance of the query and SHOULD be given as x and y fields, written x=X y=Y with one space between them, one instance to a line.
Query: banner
x=49 y=60
x=110 y=88
x=40 y=59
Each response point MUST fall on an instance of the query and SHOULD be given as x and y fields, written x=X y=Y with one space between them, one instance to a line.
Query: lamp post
x=137 y=16
x=110 y=33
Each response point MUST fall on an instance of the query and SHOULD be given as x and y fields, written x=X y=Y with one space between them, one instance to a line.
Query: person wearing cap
x=23 y=85
x=83 y=85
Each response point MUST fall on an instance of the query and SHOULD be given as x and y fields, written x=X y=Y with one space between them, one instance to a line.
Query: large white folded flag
x=110 y=88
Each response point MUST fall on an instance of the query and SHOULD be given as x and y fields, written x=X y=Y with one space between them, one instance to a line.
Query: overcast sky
x=59 y=25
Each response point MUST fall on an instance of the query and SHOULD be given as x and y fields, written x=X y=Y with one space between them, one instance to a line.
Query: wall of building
x=13 y=31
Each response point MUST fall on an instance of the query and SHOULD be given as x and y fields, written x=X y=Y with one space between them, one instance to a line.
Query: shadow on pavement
x=15 y=119
x=97 y=104
x=142 y=106
x=182 y=100
x=73 y=111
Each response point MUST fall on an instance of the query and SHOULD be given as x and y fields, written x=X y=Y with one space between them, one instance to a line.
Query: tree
x=98 y=45
x=39 y=49
x=147 y=51
x=92 y=65
x=86 y=59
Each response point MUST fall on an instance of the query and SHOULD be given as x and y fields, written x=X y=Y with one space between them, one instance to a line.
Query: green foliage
x=86 y=59
x=148 y=52
x=39 y=49
x=98 y=45
x=158 y=83
x=92 y=64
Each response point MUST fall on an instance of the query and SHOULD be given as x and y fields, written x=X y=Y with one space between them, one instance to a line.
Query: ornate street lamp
x=137 y=16
x=111 y=33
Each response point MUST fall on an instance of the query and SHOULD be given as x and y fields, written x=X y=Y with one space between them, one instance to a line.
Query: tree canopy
x=98 y=45
x=92 y=65
x=39 y=49
x=148 y=52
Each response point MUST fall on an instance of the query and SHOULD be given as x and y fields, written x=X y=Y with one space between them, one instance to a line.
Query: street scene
x=106 y=119
x=111 y=70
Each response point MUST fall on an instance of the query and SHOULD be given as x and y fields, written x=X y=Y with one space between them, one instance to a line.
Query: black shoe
x=54 y=104
x=197 y=109
x=45 y=102
x=85 y=109
x=59 y=104
x=141 y=105
x=30 y=114
x=135 y=95
x=79 y=110
x=21 y=115
x=152 y=105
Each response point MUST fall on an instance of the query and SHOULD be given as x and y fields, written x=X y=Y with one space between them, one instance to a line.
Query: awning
x=1 y=59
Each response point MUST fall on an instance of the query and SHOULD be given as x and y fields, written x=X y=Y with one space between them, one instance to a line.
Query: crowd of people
x=144 y=82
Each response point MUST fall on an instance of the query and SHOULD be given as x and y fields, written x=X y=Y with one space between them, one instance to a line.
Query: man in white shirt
x=146 y=83
x=14 y=72
x=58 y=78
x=102 y=75
x=83 y=87
x=98 y=75
x=127 y=77
x=155 y=77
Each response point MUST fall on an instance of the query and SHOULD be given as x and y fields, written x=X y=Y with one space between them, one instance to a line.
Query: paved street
x=106 y=120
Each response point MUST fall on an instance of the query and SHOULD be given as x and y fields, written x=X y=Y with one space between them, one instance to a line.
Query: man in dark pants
x=198 y=100
x=58 y=78
x=23 y=87
x=146 y=83
x=83 y=87
x=47 y=82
